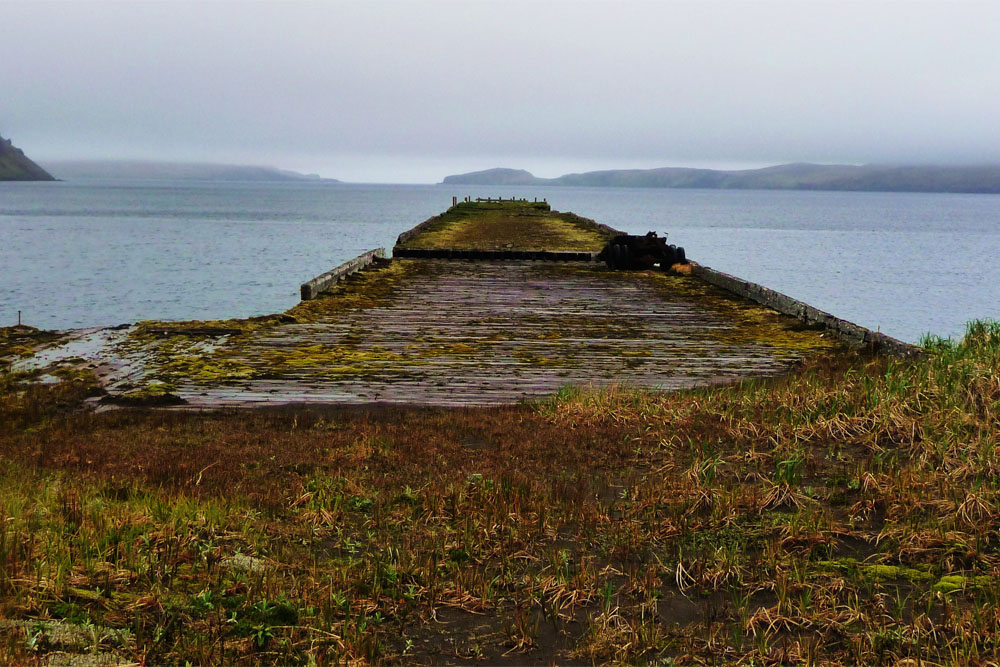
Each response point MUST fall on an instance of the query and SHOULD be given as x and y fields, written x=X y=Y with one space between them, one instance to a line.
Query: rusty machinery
x=626 y=251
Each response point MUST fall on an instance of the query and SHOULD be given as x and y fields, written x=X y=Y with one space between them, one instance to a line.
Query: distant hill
x=182 y=171
x=16 y=166
x=800 y=176
x=497 y=176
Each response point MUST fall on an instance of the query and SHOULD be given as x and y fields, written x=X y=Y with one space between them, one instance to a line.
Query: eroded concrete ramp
x=470 y=333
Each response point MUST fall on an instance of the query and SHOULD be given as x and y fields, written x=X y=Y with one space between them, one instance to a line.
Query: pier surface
x=506 y=225
x=447 y=332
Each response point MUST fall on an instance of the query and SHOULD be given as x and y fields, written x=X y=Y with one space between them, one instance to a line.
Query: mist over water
x=391 y=92
x=104 y=253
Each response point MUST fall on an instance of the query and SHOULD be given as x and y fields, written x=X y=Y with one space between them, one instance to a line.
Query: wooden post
x=454 y=201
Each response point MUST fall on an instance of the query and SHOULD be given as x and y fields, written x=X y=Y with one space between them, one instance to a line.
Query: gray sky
x=413 y=91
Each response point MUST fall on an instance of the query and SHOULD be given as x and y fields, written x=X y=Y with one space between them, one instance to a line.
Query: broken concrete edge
x=312 y=289
x=494 y=255
x=853 y=334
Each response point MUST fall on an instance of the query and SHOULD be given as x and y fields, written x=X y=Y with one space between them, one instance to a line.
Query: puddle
x=87 y=345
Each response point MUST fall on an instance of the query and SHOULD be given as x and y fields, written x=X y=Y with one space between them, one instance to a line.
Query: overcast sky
x=413 y=91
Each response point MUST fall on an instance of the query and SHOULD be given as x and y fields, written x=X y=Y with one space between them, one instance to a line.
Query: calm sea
x=102 y=253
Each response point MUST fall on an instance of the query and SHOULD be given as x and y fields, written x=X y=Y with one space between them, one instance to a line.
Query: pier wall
x=311 y=289
x=495 y=255
x=848 y=331
x=406 y=236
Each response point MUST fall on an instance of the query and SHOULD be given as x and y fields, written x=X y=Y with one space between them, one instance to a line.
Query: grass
x=846 y=513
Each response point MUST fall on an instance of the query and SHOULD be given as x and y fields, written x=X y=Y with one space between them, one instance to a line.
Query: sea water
x=82 y=254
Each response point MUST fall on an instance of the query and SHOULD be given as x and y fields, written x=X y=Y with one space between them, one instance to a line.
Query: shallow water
x=102 y=253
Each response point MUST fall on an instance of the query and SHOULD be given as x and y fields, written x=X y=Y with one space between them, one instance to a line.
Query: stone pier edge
x=311 y=289
x=853 y=334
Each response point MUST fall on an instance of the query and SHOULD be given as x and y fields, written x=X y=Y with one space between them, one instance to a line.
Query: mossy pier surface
x=506 y=225
x=451 y=333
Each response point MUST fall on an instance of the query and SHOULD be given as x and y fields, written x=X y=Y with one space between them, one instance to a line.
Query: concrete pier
x=530 y=313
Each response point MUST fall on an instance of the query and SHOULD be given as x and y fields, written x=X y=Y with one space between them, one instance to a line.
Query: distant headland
x=800 y=176
x=16 y=166
x=175 y=171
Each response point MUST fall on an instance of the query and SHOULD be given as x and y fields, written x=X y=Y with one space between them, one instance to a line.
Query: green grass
x=844 y=514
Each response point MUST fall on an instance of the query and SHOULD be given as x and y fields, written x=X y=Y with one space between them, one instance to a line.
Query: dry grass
x=846 y=514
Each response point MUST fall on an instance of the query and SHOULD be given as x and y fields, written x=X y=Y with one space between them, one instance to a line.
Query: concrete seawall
x=311 y=289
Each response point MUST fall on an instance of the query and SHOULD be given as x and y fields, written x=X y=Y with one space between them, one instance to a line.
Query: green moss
x=533 y=359
x=23 y=341
x=738 y=538
x=892 y=572
x=949 y=583
x=207 y=369
x=953 y=583
x=74 y=374
x=877 y=571
x=153 y=329
x=320 y=356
